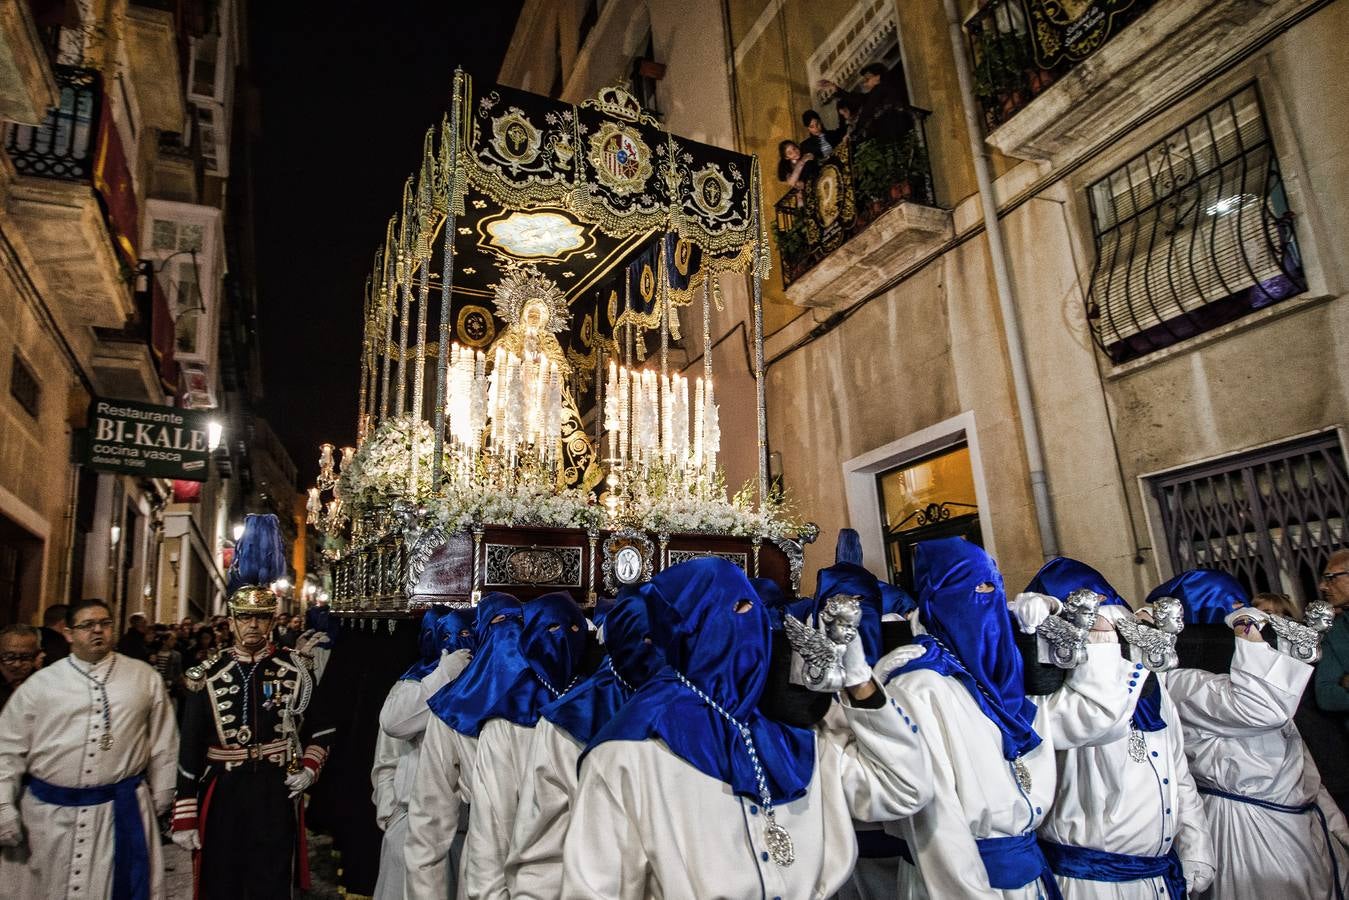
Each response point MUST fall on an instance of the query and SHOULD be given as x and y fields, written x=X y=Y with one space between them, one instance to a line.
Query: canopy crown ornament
x=617 y=101
x=530 y=300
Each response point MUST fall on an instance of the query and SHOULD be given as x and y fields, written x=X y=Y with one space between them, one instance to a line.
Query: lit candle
x=348 y=455
x=699 y=424
x=326 y=459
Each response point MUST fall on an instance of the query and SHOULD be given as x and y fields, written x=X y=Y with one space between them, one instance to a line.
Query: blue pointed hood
x=1207 y=595
x=969 y=636
x=724 y=654
x=1060 y=577
x=428 y=650
x=848 y=576
x=455 y=631
x=497 y=665
x=631 y=659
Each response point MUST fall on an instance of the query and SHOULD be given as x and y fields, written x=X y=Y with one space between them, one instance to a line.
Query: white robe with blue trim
x=976 y=792
x=1107 y=800
x=647 y=824
x=51 y=728
x=1240 y=738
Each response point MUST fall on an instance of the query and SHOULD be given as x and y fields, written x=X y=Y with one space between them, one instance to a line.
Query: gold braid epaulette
x=195 y=677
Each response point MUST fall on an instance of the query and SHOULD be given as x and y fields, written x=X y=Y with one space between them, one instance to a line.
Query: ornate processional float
x=521 y=426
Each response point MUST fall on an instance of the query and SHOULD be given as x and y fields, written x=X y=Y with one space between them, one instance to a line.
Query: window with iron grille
x=1270 y=518
x=24 y=386
x=1192 y=233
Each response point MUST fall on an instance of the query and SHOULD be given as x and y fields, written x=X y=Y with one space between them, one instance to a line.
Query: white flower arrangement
x=381 y=472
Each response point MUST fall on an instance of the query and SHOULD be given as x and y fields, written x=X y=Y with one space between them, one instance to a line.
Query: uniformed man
x=242 y=766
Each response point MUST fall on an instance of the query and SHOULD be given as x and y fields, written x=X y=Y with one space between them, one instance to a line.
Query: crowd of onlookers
x=171 y=648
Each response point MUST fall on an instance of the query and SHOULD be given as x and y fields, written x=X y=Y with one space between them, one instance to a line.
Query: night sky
x=345 y=101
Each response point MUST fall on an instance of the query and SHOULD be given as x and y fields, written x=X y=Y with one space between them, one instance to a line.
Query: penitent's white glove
x=1032 y=609
x=188 y=839
x=453 y=664
x=1198 y=876
x=897 y=659
x=300 y=782
x=11 y=832
x=855 y=668
x=1257 y=618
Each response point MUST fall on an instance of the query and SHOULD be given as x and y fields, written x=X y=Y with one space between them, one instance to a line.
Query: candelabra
x=658 y=441
x=328 y=517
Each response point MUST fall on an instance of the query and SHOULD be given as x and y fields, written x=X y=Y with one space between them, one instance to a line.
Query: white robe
x=403 y=720
x=1240 y=738
x=547 y=789
x=503 y=751
x=51 y=729
x=1108 y=801
x=647 y=824
x=976 y=791
x=440 y=786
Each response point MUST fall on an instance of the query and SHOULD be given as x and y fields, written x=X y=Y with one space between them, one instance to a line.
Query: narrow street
x=322 y=868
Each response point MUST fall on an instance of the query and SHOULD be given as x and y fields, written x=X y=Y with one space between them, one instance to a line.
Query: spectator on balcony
x=846 y=107
x=882 y=106
x=822 y=141
x=794 y=167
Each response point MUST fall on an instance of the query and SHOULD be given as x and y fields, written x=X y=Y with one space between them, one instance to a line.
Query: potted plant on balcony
x=873 y=172
x=793 y=243
x=1000 y=68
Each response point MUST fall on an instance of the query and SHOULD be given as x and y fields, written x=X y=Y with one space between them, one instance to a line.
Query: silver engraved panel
x=738 y=559
x=554 y=566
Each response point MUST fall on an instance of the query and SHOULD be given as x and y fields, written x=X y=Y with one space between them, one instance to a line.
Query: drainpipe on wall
x=1011 y=323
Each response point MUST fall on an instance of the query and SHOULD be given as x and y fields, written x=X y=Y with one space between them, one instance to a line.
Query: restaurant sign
x=142 y=439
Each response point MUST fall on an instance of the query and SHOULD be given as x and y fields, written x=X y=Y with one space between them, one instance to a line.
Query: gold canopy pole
x=404 y=276
x=363 y=396
x=662 y=386
x=449 y=172
x=386 y=307
x=425 y=226
x=758 y=272
x=374 y=326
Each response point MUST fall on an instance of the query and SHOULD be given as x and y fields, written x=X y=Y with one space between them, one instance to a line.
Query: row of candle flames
x=512 y=419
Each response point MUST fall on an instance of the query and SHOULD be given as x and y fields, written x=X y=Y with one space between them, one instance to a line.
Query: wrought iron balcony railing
x=1021 y=47
x=64 y=145
x=849 y=191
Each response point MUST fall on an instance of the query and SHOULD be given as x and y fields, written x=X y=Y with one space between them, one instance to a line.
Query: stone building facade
x=119 y=279
x=1164 y=327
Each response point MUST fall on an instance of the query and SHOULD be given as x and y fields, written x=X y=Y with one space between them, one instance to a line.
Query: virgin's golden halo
x=526 y=297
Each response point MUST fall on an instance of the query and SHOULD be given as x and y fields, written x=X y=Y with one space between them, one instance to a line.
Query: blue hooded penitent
x=1207 y=595
x=428 y=653
x=969 y=636
x=497 y=665
x=848 y=576
x=259 y=554
x=774 y=600
x=1060 y=577
x=631 y=661
x=444 y=630
x=725 y=654
x=455 y=631
x=554 y=643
